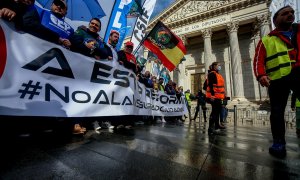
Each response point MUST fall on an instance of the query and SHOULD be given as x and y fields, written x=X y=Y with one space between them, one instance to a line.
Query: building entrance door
x=197 y=81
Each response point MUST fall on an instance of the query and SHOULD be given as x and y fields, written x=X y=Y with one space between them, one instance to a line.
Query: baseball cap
x=60 y=3
x=129 y=43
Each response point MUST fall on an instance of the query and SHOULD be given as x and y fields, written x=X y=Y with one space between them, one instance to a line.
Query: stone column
x=255 y=38
x=181 y=75
x=177 y=76
x=236 y=60
x=263 y=22
x=206 y=34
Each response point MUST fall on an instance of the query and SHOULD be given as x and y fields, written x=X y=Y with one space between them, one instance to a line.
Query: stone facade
x=226 y=31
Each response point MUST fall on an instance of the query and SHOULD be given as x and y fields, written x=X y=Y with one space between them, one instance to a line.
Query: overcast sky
x=159 y=6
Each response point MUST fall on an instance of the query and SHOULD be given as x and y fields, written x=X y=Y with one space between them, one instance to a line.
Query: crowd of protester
x=43 y=23
x=50 y=25
x=280 y=74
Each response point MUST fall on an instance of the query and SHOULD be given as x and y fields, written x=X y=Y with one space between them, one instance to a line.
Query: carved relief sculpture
x=196 y=7
x=263 y=19
x=206 y=33
x=233 y=26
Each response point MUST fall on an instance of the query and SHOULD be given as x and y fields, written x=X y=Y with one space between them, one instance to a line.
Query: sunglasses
x=59 y=3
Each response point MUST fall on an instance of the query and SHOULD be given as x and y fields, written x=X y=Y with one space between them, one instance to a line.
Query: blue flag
x=136 y=9
x=118 y=20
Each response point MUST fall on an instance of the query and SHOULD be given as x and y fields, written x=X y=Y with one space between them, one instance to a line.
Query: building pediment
x=193 y=8
x=184 y=12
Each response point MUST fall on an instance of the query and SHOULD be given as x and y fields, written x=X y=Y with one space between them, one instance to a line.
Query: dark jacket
x=170 y=90
x=122 y=57
x=28 y=20
x=201 y=98
x=212 y=79
x=144 y=80
x=81 y=36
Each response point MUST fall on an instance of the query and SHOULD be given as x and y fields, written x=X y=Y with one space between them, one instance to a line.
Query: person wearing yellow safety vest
x=215 y=94
x=295 y=105
x=276 y=66
x=187 y=95
x=161 y=86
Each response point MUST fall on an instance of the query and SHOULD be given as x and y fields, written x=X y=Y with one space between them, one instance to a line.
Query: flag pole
x=140 y=44
x=144 y=38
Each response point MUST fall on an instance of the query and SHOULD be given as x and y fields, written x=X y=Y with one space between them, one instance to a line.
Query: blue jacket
x=55 y=24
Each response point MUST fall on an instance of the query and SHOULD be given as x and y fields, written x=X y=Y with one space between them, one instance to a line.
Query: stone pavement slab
x=161 y=151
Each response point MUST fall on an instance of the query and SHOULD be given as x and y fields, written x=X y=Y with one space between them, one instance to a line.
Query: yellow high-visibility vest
x=278 y=62
x=297 y=103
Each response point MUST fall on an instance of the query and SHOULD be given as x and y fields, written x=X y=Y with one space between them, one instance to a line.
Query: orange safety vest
x=218 y=88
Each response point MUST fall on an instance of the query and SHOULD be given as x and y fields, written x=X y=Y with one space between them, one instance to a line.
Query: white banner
x=38 y=78
x=140 y=27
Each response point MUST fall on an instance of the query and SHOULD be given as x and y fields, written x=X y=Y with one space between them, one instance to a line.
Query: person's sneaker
x=121 y=126
x=106 y=125
x=96 y=126
x=158 y=121
x=139 y=123
x=128 y=127
x=125 y=130
x=278 y=150
x=217 y=131
x=97 y=130
x=210 y=131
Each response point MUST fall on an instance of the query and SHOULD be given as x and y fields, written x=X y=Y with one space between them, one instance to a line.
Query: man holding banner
x=9 y=9
x=49 y=25
x=87 y=41
x=126 y=57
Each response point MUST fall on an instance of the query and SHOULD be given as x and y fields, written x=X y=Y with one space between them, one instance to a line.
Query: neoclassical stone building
x=226 y=31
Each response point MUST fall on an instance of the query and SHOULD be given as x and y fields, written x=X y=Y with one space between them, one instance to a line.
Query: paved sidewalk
x=162 y=151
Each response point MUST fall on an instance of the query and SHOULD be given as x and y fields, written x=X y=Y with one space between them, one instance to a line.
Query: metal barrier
x=248 y=116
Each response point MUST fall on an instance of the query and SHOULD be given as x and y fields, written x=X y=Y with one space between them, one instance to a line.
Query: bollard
x=235 y=115
x=200 y=111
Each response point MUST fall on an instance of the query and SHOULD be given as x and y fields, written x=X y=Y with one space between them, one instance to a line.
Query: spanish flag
x=166 y=45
